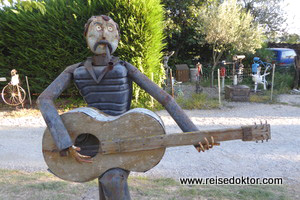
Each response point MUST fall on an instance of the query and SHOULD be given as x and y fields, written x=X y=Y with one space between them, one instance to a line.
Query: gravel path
x=20 y=144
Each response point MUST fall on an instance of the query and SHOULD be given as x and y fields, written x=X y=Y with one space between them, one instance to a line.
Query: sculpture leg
x=113 y=185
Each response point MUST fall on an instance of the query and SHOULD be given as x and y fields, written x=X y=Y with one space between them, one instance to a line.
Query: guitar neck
x=245 y=133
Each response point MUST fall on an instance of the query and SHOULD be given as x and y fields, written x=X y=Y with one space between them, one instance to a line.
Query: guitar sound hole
x=88 y=143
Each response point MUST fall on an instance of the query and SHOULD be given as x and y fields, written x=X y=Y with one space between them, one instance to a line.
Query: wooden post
x=172 y=88
x=273 y=74
x=233 y=72
x=219 y=87
x=29 y=95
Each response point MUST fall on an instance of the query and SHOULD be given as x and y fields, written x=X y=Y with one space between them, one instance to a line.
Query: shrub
x=42 y=46
x=197 y=101
x=283 y=82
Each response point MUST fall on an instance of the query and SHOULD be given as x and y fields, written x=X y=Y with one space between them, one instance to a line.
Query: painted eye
x=110 y=28
x=98 y=28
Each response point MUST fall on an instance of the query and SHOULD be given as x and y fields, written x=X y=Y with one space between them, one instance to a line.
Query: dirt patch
x=290 y=99
x=20 y=146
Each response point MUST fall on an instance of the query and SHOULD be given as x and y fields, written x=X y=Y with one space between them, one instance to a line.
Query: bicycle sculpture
x=13 y=94
x=257 y=77
x=107 y=140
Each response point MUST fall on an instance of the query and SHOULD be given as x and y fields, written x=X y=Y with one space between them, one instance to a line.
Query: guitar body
x=88 y=127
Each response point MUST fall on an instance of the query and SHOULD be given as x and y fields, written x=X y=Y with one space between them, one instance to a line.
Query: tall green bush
x=40 y=46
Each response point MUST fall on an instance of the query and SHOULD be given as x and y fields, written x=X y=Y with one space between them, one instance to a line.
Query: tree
x=290 y=38
x=25 y=5
x=42 y=45
x=228 y=27
x=181 y=35
x=267 y=13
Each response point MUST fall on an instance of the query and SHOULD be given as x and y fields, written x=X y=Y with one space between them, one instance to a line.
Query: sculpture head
x=102 y=34
x=13 y=72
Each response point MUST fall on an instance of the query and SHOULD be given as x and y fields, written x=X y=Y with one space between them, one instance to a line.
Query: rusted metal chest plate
x=112 y=95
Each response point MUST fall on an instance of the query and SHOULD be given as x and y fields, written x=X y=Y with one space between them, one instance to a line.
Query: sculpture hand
x=207 y=145
x=74 y=151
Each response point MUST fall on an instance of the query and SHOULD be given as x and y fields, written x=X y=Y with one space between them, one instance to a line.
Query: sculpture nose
x=105 y=34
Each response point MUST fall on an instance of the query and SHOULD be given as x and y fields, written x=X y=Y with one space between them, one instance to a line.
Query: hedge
x=42 y=46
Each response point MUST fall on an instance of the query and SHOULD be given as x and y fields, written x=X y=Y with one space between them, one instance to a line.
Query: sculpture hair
x=105 y=17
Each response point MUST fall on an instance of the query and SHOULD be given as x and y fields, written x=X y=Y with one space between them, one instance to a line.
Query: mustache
x=105 y=42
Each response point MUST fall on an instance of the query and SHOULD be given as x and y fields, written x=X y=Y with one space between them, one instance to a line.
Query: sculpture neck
x=101 y=60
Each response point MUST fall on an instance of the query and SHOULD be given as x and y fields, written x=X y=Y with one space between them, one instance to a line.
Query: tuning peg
x=262 y=141
x=256 y=141
x=261 y=122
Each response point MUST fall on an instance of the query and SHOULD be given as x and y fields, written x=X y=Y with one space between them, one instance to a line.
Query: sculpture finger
x=207 y=143
x=212 y=141
x=80 y=158
x=201 y=146
x=76 y=148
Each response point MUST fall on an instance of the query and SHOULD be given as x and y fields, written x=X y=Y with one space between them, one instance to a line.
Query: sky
x=292 y=8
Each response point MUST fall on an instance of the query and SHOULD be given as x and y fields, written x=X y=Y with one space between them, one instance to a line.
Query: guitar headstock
x=256 y=132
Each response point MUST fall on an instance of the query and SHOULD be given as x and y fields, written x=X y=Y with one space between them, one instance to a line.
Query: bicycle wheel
x=13 y=95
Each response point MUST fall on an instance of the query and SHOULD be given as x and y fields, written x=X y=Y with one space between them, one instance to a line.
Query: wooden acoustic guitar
x=135 y=141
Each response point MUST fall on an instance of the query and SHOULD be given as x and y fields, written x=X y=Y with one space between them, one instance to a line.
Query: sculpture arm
x=162 y=97
x=46 y=105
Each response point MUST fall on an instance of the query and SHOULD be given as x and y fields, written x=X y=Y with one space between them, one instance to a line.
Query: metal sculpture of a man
x=105 y=83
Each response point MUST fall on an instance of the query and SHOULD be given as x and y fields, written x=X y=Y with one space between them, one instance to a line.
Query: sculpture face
x=102 y=32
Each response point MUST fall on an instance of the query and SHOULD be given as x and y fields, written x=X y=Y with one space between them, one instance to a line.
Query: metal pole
x=233 y=72
x=219 y=86
x=223 y=83
x=273 y=74
x=172 y=88
x=29 y=95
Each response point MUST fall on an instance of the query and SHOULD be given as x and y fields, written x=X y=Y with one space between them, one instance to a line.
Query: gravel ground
x=20 y=143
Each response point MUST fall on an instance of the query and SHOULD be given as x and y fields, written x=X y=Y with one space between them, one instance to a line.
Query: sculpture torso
x=113 y=93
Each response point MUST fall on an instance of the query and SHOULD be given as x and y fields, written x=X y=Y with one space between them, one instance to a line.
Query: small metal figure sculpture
x=238 y=68
x=166 y=59
x=198 y=77
x=223 y=73
x=105 y=82
x=168 y=72
x=257 y=77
